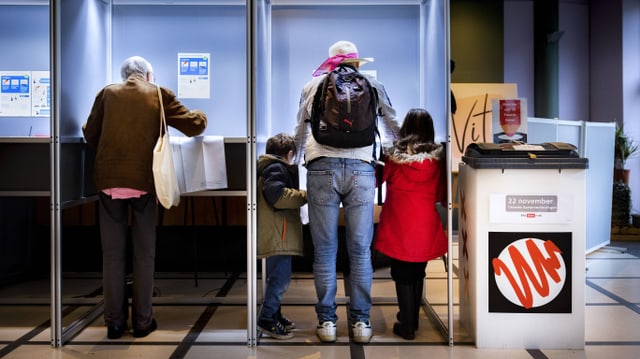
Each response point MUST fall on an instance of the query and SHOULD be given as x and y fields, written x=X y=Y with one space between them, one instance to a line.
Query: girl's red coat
x=410 y=227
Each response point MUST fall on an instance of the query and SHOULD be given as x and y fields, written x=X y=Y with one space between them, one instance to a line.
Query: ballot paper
x=200 y=163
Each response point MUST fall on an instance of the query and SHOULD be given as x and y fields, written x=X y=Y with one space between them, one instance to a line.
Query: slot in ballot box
x=521 y=245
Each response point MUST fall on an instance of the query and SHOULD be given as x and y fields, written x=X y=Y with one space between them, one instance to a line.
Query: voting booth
x=243 y=63
x=521 y=245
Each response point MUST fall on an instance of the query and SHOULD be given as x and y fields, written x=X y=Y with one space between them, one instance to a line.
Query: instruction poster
x=40 y=94
x=193 y=75
x=15 y=95
x=25 y=94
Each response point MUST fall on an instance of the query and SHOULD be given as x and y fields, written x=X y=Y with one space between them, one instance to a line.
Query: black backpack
x=344 y=112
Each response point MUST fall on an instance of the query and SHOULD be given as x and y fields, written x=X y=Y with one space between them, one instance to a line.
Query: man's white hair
x=135 y=65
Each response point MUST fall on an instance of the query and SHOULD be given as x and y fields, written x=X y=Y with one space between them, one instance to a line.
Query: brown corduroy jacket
x=123 y=127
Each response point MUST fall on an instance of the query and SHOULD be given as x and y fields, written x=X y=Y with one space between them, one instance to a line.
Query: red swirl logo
x=530 y=272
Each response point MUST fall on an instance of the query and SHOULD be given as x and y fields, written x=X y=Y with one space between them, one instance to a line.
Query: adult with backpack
x=340 y=107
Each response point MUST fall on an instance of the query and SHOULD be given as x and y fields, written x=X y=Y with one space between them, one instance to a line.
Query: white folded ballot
x=200 y=162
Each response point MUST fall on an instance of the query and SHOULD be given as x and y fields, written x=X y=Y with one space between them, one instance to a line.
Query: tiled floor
x=209 y=321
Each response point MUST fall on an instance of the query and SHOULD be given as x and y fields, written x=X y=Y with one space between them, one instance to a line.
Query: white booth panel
x=301 y=37
x=542 y=130
x=599 y=139
x=84 y=53
x=595 y=141
x=570 y=132
x=159 y=32
x=25 y=48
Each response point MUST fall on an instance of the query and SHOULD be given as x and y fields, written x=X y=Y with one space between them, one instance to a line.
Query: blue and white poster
x=40 y=94
x=15 y=94
x=25 y=93
x=194 y=75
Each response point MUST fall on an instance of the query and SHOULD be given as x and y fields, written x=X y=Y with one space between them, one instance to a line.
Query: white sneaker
x=362 y=332
x=326 y=332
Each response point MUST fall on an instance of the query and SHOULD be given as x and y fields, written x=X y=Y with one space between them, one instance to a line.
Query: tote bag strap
x=163 y=121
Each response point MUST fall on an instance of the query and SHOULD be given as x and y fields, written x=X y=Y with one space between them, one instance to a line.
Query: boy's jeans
x=278 y=279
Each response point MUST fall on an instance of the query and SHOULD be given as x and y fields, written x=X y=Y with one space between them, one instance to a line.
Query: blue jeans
x=330 y=182
x=278 y=279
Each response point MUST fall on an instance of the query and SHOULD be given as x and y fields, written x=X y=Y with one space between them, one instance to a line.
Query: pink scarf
x=332 y=62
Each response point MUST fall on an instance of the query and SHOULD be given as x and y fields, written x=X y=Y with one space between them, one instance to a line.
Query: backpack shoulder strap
x=317 y=106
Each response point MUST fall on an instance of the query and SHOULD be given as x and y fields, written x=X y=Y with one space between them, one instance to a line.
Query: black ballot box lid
x=548 y=155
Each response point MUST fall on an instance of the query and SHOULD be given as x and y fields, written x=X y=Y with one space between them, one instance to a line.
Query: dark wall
x=606 y=100
x=477 y=45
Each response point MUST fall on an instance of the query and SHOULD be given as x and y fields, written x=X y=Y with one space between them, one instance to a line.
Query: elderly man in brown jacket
x=123 y=127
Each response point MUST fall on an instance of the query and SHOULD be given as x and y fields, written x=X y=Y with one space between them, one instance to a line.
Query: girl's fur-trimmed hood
x=398 y=156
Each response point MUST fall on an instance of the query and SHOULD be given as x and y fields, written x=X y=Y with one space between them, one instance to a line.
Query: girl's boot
x=405 y=325
x=418 y=287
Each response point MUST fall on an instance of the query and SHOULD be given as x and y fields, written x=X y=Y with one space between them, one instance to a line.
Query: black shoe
x=286 y=323
x=115 y=331
x=405 y=327
x=141 y=333
x=273 y=329
x=404 y=332
x=416 y=321
x=418 y=287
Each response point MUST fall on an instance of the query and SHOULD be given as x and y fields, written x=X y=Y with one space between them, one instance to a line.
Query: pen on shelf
x=30 y=128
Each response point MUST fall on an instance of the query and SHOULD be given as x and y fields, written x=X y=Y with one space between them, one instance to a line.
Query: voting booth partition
x=522 y=244
x=253 y=58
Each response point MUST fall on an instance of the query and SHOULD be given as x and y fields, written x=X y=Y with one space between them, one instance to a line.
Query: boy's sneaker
x=362 y=332
x=326 y=331
x=286 y=323
x=273 y=329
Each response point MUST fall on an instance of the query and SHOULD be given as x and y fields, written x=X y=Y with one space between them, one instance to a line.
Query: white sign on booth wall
x=40 y=94
x=25 y=93
x=194 y=75
x=531 y=208
x=15 y=93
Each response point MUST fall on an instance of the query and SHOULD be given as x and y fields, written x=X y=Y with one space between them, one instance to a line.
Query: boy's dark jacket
x=279 y=202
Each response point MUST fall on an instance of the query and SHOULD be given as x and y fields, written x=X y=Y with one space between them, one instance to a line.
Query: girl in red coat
x=410 y=230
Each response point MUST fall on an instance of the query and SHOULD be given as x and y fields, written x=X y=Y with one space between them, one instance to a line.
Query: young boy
x=279 y=228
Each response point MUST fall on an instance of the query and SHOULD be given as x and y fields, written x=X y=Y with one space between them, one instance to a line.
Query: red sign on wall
x=509 y=120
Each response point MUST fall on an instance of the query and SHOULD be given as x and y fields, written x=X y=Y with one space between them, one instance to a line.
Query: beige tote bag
x=164 y=173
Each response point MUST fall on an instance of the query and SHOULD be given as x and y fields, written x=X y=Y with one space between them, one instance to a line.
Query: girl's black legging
x=407 y=272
